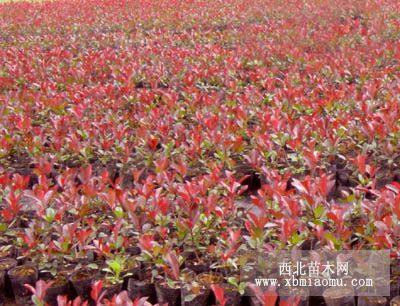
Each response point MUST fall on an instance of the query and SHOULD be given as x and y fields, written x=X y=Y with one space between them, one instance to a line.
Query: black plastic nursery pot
x=372 y=301
x=112 y=289
x=339 y=297
x=316 y=300
x=59 y=286
x=394 y=286
x=142 y=288
x=6 y=264
x=309 y=244
x=395 y=267
x=19 y=276
x=166 y=294
x=145 y=271
x=133 y=269
x=191 y=263
x=82 y=281
x=232 y=296
x=8 y=252
x=252 y=301
x=301 y=302
x=394 y=278
x=289 y=294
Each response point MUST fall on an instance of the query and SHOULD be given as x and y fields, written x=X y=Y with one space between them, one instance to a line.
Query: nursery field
x=145 y=146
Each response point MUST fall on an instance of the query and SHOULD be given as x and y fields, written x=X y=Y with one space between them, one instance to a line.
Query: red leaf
x=95 y=293
x=152 y=142
x=173 y=262
x=219 y=294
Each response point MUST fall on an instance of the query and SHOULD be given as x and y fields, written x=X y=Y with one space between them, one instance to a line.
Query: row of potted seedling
x=195 y=285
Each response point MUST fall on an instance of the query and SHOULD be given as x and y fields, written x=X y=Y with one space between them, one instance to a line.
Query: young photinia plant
x=267 y=297
x=97 y=293
x=39 y=292
x=171 y=268
x=63 y=301
x=13 y=206
x=114 y=270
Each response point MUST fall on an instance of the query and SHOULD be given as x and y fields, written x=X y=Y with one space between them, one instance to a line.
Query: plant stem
x=195 y=245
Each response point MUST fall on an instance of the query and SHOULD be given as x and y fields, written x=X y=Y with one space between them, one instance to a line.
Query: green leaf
x=232 y=280
x=242 y=288
x=93 y=266
x=115 y=266
x=3 y=227
x=332 y=238
x=50 y=214
x=170 y=283
x=295 y=239
x=190 y=297
x=36 y=301
x=319 y=211
x=119 y=212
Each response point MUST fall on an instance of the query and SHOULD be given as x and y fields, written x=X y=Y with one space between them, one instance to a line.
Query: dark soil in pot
x=20 y=275
x=194 y=264
x=45 y=275
x=82 y=281
x=195 y=296
x=189 y=255
x=197 y=267
x=166 y=294
x=60 y=286
x=142 y=288
x=209 y=278
x=81 y=261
